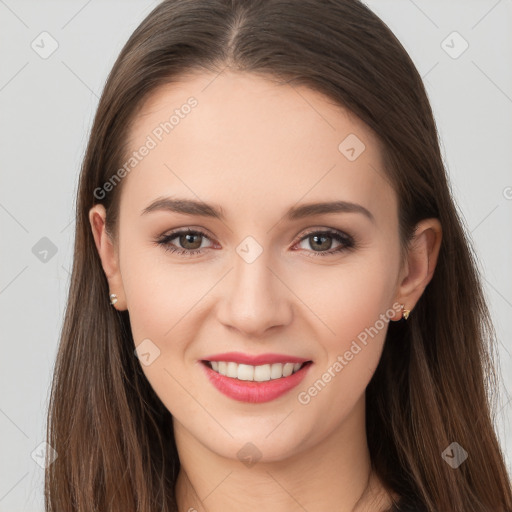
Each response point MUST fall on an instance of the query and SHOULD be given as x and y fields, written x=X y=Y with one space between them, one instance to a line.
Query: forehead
x=244 y=140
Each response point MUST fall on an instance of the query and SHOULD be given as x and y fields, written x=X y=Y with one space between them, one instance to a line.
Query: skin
x=256 y=149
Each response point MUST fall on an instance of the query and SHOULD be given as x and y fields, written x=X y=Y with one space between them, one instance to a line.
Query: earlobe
x=108 y=254
x=421 y=262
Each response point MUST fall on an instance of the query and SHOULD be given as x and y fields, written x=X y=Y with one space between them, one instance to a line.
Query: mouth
x=255 y=383
x=251 y=373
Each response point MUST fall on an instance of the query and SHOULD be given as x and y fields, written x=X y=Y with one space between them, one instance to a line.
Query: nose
x=255 y=297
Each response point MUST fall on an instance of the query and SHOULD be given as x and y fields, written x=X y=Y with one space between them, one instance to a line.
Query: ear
x=420 y=263
x=108 y=253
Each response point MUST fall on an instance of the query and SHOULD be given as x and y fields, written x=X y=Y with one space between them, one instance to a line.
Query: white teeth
x=245 y=372
x=276 y=372
x=287 y=369
x=261 y=373
x=232 y=370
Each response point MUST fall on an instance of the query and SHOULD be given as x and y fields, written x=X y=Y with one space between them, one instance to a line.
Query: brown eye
x=188 y=242
x=321 y=242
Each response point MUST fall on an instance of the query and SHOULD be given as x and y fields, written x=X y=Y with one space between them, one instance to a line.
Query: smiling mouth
x=260 y=373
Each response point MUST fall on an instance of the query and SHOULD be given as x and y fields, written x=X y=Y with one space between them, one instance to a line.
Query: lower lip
x=255 y=392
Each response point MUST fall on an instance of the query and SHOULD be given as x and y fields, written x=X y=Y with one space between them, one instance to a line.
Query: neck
x=333 y=475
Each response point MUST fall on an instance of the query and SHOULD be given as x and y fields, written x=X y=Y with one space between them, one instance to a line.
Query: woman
x=273 y=304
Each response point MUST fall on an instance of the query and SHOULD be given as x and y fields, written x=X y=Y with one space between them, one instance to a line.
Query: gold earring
x=113 y=298
x=405 y=312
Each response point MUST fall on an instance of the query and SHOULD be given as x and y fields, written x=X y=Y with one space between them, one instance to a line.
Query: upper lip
x=255 y=360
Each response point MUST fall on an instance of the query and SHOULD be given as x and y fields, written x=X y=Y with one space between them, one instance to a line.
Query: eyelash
x=346 y=241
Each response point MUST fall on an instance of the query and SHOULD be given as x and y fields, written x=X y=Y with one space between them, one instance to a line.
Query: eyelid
x=347 y=242
x=206 y=233
x=187 y=229
x=174 y=233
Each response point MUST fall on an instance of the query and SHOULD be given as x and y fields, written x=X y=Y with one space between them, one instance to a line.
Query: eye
x=190 y=240
x=322 y=239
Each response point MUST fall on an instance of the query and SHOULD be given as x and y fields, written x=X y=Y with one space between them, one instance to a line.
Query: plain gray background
x=47 y=105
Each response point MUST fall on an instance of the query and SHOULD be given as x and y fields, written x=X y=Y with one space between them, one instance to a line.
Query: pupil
x=317 y=237
x=187 y=237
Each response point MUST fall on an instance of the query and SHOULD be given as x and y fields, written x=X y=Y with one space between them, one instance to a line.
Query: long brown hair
x=435 y=381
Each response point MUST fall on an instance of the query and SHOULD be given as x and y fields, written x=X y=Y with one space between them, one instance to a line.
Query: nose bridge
x=255 y=298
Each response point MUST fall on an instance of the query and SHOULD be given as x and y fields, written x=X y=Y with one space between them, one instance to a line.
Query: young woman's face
x=262 y=279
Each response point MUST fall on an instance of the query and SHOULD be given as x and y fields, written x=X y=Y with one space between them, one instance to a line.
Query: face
x=264 y=278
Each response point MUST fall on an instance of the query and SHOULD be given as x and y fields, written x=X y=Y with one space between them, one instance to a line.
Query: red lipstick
x=253 y=391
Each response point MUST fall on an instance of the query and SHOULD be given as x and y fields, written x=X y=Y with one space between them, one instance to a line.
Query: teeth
x=232 y=370
x=287 y=369
x=276 y=371
x=261 y=373
x=245 y=371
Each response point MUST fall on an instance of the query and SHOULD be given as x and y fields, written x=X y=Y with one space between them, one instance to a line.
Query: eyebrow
x=192 y=207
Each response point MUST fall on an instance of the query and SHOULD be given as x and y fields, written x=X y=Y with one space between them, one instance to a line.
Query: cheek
x=158 y=293
x=351 y=296
x=355 y=310
x=163 y=307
